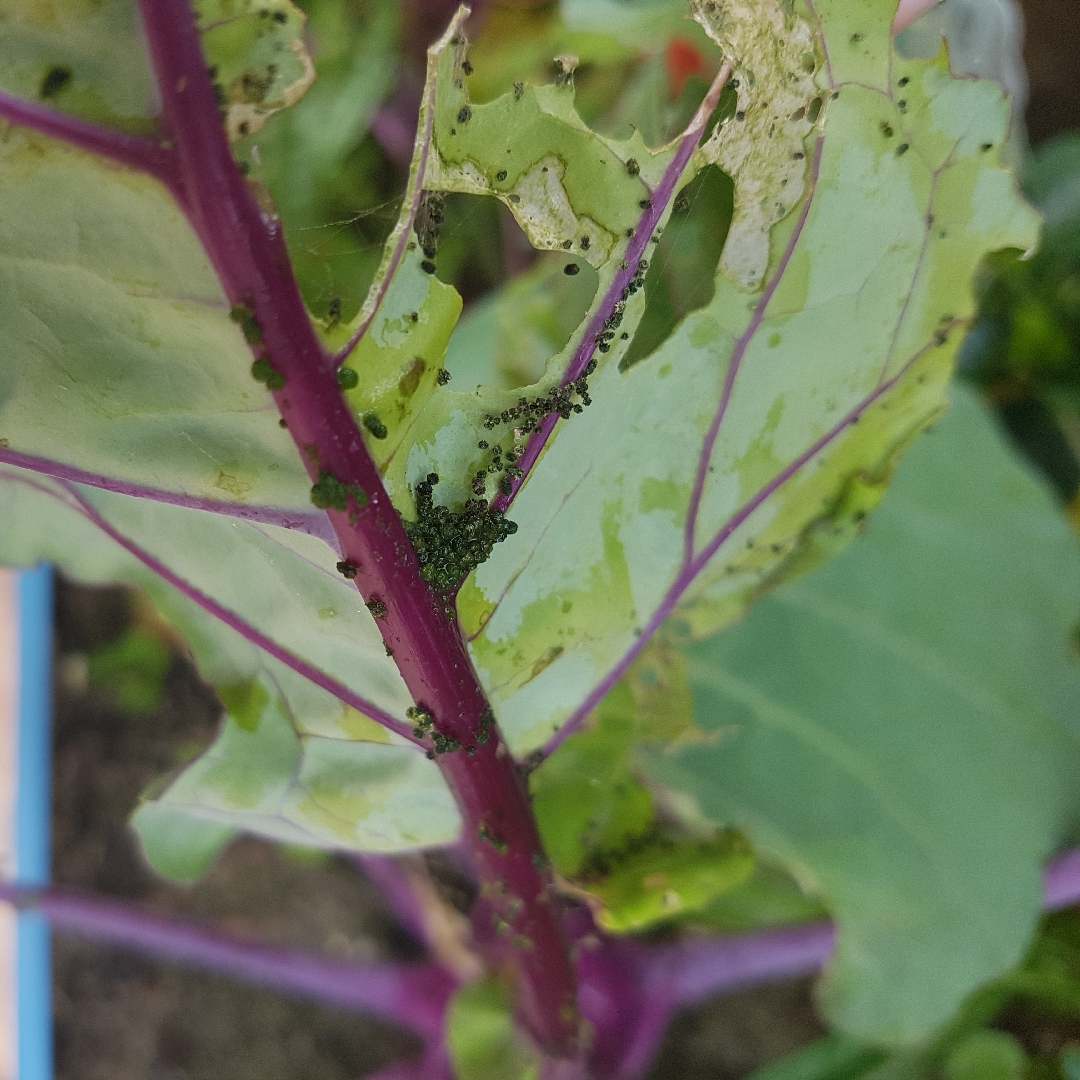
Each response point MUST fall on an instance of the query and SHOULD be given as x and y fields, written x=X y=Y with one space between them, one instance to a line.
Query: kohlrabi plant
x=460 y=581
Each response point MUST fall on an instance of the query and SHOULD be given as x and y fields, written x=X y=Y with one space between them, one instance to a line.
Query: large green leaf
x=811 y=387
x=899 y=728
x=120 y=356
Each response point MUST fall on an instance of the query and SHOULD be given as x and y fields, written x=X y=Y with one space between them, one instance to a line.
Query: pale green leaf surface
x=898 y=729
x=326 y=775
x=120 y=357
x=266 y=779
x=860 y=320
x=178 y=846
x=280 y=581
x=86 y=57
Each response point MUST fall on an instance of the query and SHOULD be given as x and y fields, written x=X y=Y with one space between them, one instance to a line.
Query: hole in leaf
x=681 y=273
x=505 y=339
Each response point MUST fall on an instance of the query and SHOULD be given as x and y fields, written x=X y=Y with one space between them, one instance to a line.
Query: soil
x=119 y=1016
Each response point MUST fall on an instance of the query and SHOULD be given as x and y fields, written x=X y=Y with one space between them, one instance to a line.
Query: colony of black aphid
x=450 y=544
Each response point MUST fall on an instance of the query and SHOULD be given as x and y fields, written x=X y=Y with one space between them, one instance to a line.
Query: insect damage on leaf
x=774 y=61
x=257 y=57
x=450 y=545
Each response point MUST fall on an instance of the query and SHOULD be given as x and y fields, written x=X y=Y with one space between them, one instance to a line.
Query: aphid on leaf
x=262 y=371
x=443 y=377
x=346 y=569
x=377 y=428
x=54 y=80
x=570 y=269
x=632 y=167
x=377 y=608
x=347 y=378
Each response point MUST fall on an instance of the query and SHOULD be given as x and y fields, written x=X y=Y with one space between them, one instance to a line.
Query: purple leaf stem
x=245 y=245
x=313 y=522
x=635 y=250
x=413 y=995
x=136 y=152
x=240 y=625
x=738 y=352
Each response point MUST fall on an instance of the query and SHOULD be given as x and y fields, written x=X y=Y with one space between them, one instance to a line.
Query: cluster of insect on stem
x=528 y=414
x=450 y=544
x=424 y=725
x=329 y=493
x=607 y=333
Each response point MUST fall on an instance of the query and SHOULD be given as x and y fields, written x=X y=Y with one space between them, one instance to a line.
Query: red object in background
x=682 y=60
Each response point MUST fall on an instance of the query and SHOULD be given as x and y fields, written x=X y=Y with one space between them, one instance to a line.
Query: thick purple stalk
x=413 y=995
x=146 y=155
x=246 y=247
x=313 y=522
x=635 y=251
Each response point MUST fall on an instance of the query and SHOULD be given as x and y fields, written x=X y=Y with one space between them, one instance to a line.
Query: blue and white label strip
x=25 y=761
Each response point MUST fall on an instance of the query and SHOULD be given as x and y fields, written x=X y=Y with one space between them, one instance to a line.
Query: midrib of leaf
x=659 y=201
x=315 y=523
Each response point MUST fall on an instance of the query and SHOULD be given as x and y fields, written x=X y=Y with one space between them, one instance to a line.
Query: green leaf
x=899 y=729
x=833 y=1057
x=598 y=822
x=86 y=57
x=292 y=762
x=264 y=775
x=987 y=1055
x=132 y=669
x=178 y=846
x=840 y=362
x=121 y=358
x=482 y=1038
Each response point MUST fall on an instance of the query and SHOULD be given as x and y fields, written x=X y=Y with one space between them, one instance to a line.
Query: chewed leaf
x=86 y=57
x=757 y=437
x=764 y=149
x=257 y=58
x=572 y=191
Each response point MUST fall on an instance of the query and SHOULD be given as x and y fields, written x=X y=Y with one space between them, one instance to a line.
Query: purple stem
x=413 y=995
x=146 y=155
x=246 y=247
x=242 y=627
x=314 y=523
x=635 y=250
